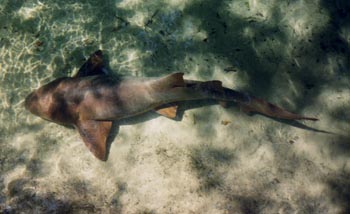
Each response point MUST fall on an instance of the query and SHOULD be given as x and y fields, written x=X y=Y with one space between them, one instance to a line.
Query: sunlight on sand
x=31 y=12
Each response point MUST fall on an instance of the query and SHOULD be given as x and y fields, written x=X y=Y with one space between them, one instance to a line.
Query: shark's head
x=40 y=102
x=37 y=105
x=31 y=103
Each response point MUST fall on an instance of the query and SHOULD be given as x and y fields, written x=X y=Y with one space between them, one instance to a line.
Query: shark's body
x=91 y=100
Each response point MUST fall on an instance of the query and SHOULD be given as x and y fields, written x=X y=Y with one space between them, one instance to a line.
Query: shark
x=91 y=100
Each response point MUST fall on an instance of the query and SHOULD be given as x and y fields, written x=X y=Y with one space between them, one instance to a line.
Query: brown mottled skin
x=91 y=99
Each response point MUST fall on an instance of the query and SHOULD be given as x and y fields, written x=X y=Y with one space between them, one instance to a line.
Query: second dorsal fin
x=169 y=81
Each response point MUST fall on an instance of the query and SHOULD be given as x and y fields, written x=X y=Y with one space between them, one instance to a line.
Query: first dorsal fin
x=95 y=134
x=93 y=66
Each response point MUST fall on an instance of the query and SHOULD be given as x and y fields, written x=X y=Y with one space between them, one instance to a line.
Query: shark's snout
x=31 y=102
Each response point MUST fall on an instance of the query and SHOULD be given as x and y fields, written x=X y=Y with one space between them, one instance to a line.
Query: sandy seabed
x=211 y=160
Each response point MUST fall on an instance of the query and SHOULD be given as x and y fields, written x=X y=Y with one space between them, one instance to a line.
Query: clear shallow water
x=294 y=53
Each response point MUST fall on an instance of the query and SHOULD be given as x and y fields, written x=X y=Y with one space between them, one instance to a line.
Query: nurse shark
x=92 y=99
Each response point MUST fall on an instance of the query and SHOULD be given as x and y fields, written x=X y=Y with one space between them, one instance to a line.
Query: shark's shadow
x=188 y=105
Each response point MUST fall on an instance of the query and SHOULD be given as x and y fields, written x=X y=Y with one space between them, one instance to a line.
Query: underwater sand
x=293 y=53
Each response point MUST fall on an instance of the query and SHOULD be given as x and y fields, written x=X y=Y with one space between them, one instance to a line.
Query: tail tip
x=310 y=118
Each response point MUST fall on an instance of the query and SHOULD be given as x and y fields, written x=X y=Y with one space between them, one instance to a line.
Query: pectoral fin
x=95 y=135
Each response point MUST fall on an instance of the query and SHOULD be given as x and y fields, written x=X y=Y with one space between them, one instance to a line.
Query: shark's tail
x=178 y=89
x=261 y=106
x=248 y=103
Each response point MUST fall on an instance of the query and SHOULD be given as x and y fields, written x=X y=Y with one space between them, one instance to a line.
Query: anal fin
x=95 y=134
x=169 y=112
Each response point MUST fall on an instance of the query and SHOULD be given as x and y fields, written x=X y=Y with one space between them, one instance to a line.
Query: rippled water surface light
x=214 y=160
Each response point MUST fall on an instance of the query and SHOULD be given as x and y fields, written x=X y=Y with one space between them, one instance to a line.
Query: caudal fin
x=261 y=106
